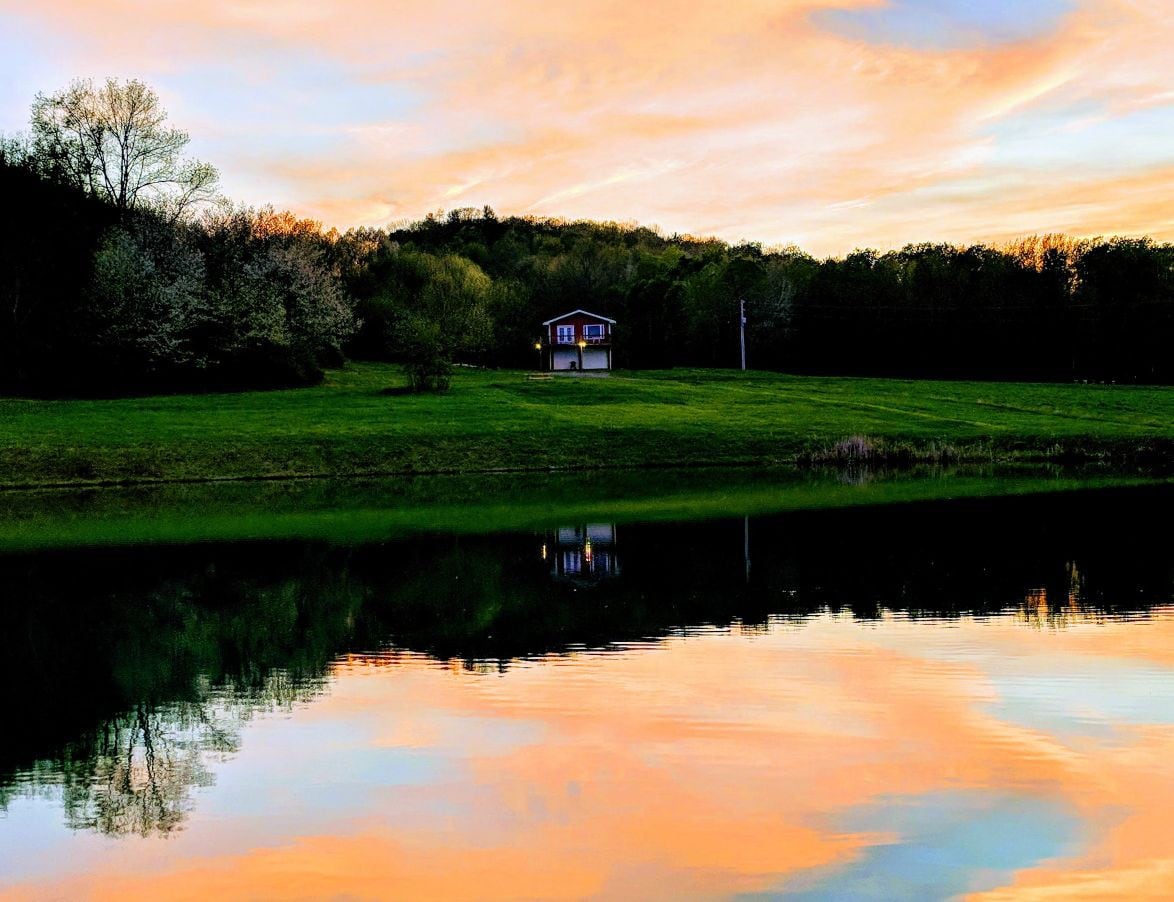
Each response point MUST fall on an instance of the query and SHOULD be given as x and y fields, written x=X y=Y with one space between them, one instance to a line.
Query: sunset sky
x=830 y=124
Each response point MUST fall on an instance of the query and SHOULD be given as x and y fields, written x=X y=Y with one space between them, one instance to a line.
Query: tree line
x=1048 y=308
x=122 y=270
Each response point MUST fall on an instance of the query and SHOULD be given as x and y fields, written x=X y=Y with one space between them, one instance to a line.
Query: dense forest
x=122 y=270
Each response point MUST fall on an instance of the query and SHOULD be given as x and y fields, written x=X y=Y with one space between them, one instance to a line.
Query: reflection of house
x=579 y=341
x=582 y=554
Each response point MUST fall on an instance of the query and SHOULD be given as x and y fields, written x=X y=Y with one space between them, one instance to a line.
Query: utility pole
x=742 y=329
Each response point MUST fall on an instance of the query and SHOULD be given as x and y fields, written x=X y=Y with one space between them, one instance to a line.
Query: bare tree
x=114 y=141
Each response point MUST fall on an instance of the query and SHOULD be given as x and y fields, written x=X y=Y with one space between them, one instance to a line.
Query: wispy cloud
x=834 y=122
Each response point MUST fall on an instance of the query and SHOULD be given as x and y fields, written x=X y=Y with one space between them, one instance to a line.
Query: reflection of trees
x=1060 y=605
x=127 y=674
x=136 y=772
x=130 y=679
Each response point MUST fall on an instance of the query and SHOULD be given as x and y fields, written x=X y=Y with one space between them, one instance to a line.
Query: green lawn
x=494 y=420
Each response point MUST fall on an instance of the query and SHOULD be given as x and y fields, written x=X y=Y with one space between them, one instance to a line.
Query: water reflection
x=679 y=723
x=582 y=555
x=134 y=774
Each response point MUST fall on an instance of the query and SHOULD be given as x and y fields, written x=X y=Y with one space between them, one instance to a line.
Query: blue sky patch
x=946 y=24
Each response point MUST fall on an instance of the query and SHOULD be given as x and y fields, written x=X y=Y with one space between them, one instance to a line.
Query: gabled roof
x=584 y=312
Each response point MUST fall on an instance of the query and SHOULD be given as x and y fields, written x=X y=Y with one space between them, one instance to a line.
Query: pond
x=895 y=701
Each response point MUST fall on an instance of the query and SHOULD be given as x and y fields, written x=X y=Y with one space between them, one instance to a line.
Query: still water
x=942 y=699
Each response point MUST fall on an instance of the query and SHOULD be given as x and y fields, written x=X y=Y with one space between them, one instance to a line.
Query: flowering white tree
x=146 y=296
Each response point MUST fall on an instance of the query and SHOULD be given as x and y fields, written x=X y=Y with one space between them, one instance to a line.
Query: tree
x=113 y=141
x=448 y=317
x=278 y=313
x=318 y=314
x=146 y=295
x=48 y=236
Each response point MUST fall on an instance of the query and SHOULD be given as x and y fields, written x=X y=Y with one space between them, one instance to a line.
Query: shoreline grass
x=364 y=510
x=499 y=422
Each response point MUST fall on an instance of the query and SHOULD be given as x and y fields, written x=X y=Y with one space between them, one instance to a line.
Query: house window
x=593 y=332
x=566 y=335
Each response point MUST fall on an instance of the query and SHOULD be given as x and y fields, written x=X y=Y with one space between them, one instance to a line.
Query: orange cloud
x=749 y=120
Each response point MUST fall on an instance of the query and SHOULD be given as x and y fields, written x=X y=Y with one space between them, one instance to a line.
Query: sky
x=830 y=124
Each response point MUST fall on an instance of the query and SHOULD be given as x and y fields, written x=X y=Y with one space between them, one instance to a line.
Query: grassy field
x=495 y=421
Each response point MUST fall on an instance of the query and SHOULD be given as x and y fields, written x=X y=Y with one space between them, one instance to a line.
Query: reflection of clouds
x=943 y=844
x=1100 y=699
x=758 y=119
x=711 y=763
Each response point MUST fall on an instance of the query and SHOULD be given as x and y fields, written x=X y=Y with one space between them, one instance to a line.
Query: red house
x=579 y=340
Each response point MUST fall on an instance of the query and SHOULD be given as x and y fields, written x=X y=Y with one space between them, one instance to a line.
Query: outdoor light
x=537 y=346
x=582 y=343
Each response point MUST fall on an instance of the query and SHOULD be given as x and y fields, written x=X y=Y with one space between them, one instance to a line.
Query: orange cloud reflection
x=700 y=766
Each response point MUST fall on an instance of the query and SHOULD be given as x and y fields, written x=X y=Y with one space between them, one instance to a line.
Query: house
x=578 y=340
